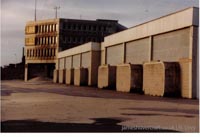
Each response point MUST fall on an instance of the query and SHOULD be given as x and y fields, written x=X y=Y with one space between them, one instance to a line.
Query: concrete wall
x=107 y=76
x=69 y=76
x=81 y=77
x=85 y=56
x=161 y=78
x=129 y=78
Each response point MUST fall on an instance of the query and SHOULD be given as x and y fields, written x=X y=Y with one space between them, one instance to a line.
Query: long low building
x=85 y=56
x=171 y=38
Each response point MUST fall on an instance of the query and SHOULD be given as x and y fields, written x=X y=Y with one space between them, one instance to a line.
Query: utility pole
x=15 y=60
x=56 y=8
x=35 y=9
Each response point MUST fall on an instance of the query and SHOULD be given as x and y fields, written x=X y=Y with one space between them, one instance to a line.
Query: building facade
x=171 y=39
x=45 y=38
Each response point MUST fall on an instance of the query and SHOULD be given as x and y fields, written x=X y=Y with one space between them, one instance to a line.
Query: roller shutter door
x=171 y=46
x=61 y=63
x=115 y=54
x=68 y=62
x=138 y=51
x=76 y=61
x=86 y=59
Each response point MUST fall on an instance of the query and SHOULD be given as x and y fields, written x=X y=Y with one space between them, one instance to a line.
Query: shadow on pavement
x=100 y=125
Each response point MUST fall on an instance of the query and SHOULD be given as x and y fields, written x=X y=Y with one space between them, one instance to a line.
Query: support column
x=105 y=52
x=193 y=53
x=150 y=48
x=26 y=73
x=80 y=60
x=124 y=47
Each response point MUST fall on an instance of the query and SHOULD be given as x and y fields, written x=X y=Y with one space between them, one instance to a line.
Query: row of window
x=46 y=28
x=45 y=52
x=79 y=39
x=46 y=40
x=86 y=27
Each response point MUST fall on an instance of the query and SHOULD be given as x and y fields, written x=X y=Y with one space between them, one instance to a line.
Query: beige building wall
x=168 y=38
x=41 y=43
x=85 y=56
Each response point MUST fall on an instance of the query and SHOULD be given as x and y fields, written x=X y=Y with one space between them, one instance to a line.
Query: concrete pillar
x=55 y=76
x=194 y=55
x=151 y=48
x=124 y=47
x=186 y=77
x=93 y=69
x=62 y=75
x=129 y=78
x=107 y=76
x=26 y=73
x=81 y=76
x=161 y=78
x=69 y=76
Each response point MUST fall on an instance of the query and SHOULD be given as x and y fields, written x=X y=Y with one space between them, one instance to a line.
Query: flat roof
x=173 y=21
x=90 y=46
x=156 y=19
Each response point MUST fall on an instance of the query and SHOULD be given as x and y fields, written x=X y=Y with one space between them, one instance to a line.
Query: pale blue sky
x=15 y=13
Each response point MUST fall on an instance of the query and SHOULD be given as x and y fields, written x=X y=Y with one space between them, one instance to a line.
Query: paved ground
x=47 y=107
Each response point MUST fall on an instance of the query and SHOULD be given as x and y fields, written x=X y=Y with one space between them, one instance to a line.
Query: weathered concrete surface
x=55 y=76
x=61 y=78
x=161 y=78
x=107 y=76
x=186 y=77
x=69 y=76
x=58 y=103
x=129 y=77
x=81 y=76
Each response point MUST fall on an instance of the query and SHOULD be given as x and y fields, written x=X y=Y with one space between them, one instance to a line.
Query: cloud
x=15 y=14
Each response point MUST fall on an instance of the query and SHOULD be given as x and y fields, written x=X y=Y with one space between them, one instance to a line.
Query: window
x=27 y=53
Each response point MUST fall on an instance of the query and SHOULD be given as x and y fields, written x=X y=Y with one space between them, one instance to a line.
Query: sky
x=15 y=14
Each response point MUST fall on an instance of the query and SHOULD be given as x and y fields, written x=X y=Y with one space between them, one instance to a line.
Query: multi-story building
x=45 y=38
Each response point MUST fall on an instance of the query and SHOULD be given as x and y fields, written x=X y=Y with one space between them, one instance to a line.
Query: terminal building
x=45 y=38
x=158 y=57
